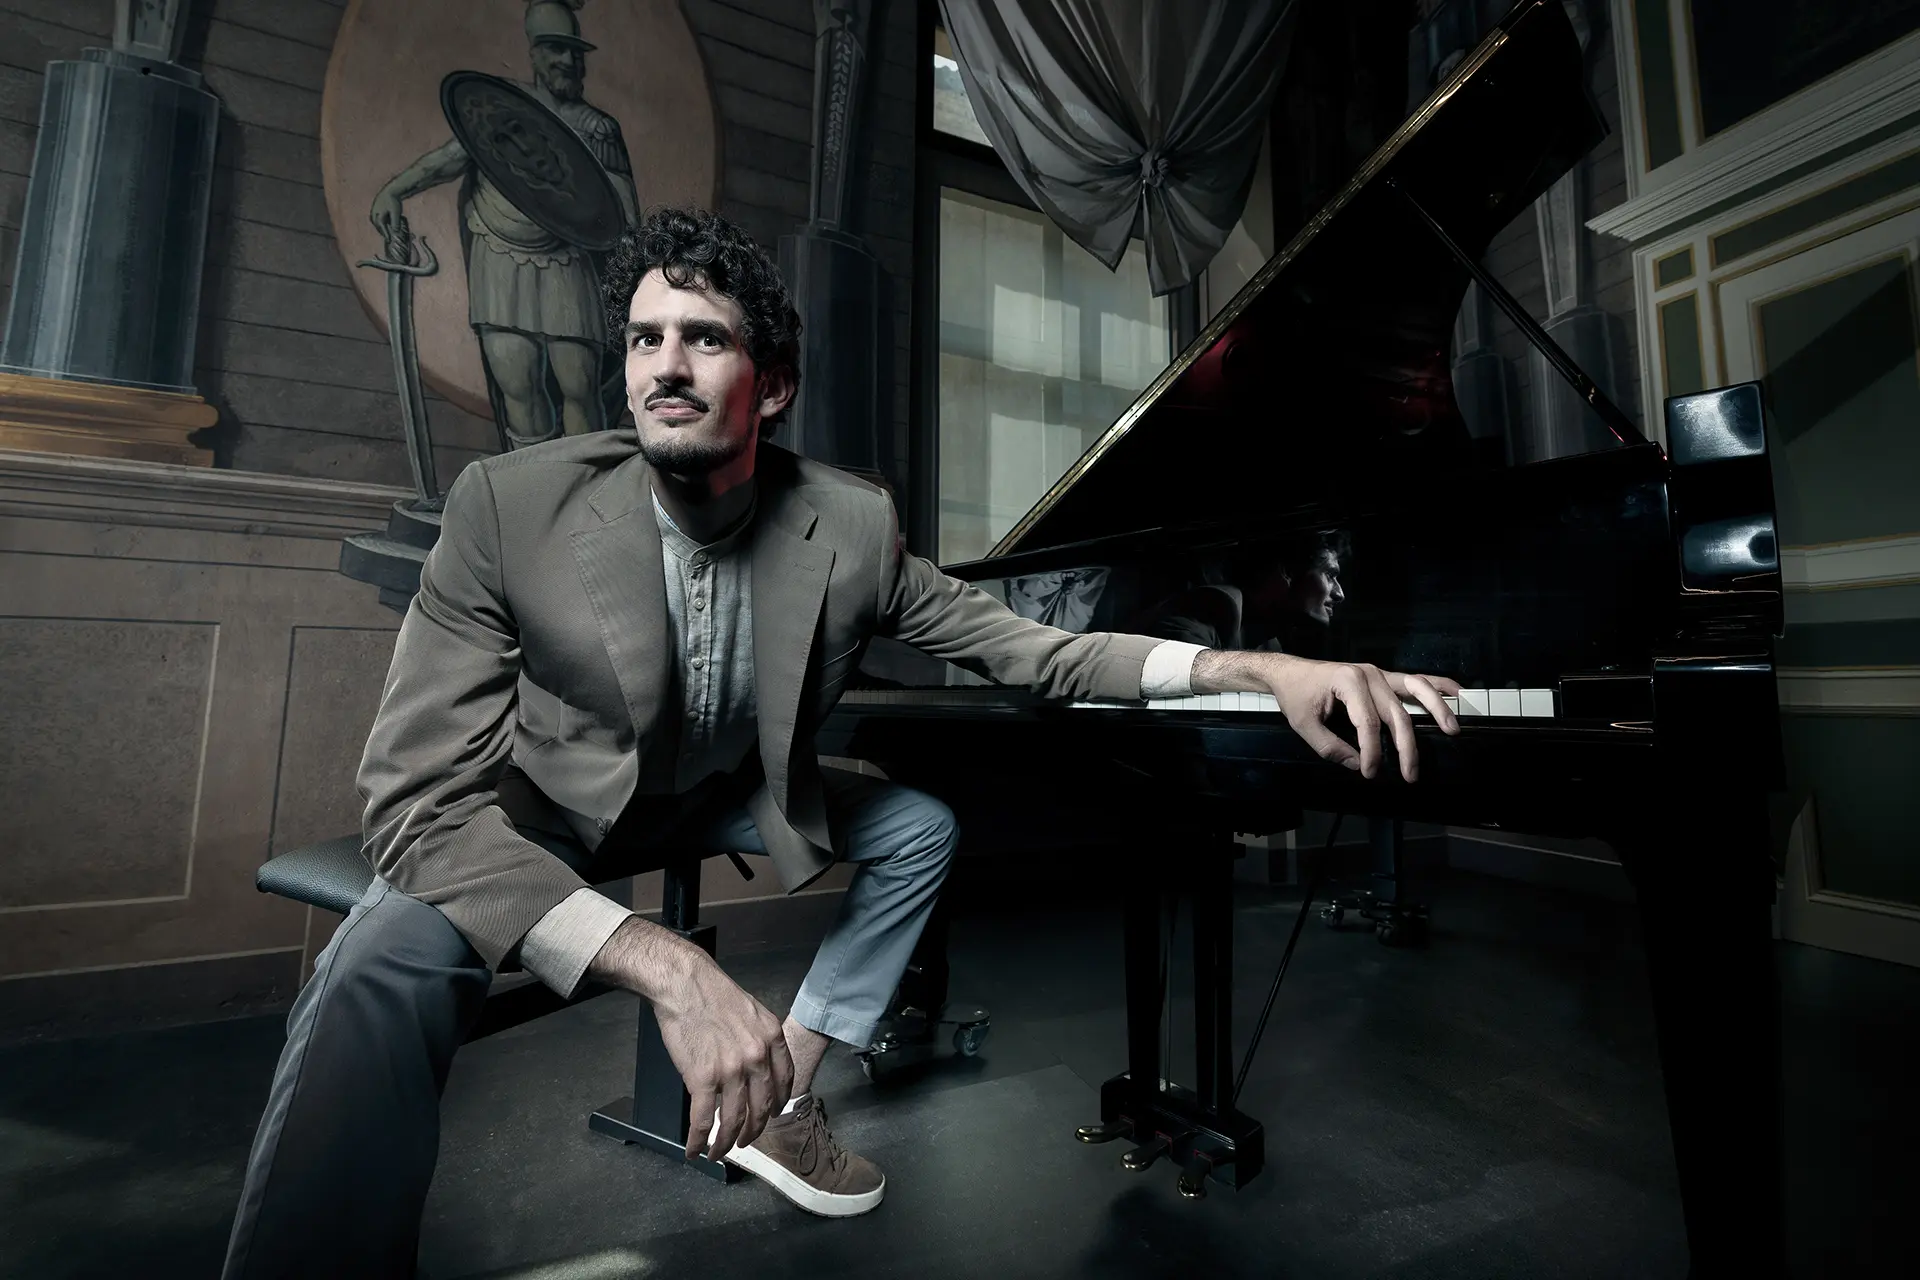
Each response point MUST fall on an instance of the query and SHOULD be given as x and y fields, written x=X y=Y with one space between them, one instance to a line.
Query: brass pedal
x=1105 y=1132
x=1192 y=1182
x=1143 y=1156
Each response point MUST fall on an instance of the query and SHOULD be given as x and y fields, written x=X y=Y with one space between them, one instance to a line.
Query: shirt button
x=693 y=715
x=698 y=663
x=699 y=602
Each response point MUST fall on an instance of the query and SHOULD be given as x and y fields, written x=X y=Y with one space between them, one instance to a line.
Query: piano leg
x=1141 y=938
x=1213 y=979
x=1199 y=1127
x=1705 y=887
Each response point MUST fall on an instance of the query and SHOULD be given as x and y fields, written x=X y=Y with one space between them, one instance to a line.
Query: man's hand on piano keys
x=1307 y=692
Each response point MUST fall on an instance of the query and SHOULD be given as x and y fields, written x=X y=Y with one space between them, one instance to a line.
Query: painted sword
x=402 y=266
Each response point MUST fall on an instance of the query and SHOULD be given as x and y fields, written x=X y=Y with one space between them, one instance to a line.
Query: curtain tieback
x=1153 y=168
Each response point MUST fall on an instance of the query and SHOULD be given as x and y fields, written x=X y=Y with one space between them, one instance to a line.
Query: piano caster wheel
x=1141 y=1158
x=1104 y=1132
x=968 y=1039
x=1333 y=917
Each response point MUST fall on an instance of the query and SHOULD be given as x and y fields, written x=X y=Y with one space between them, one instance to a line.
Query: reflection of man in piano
x=642 y=631
x=1274 y=598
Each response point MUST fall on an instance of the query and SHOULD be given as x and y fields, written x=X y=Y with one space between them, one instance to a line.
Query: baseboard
x=88 y=1002
x=1577 y=870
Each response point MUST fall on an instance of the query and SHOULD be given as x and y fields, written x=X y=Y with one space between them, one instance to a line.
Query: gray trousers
x=338 y=1175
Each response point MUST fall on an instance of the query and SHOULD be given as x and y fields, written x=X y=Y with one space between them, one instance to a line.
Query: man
x=1278 y=598
x=532 y=298
x=623 y=643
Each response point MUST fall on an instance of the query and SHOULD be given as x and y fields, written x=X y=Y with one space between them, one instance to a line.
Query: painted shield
x=536 y=159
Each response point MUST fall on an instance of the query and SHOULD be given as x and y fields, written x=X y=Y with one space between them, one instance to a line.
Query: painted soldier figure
x=533 y=287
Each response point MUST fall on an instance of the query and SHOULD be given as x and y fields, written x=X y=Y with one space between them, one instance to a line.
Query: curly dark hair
x=685 y=244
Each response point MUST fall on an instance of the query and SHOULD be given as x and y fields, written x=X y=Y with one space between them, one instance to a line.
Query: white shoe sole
x=804 y=1194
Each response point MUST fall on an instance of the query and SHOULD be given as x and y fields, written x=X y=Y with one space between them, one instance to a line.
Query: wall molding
x=1813 y=914
x=1875 y=91
x=1874 y=691
x=157 y=494
x=1838 y=566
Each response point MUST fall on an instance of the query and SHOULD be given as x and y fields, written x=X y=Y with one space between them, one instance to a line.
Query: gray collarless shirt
x=709 y=596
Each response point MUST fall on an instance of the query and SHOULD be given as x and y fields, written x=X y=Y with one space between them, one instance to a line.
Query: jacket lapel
x=621 y=565
x=789 y=582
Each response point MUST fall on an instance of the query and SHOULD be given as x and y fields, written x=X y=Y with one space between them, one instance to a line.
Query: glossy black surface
x=1336 y=355
x=1314 y=423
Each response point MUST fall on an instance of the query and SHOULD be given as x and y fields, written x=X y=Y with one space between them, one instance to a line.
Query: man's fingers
x=1352 y=690
x=1396 y=715
x=782 y=1072
x=759 y=1095
x=733 y=1111
x=1427 y=691
x=1327 y=744
x=700 y=1124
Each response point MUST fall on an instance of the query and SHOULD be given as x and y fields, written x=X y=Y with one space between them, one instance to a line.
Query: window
x=952 y=112
x=1027 y=348
x=1041 y=349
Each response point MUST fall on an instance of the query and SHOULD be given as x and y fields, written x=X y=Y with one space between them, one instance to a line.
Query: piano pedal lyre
x=1104 y=1132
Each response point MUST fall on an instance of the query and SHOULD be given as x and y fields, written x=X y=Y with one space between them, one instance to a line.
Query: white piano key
x=1265 y=702
x=1472 y=702
x=1536 y=702
x=1503 y=702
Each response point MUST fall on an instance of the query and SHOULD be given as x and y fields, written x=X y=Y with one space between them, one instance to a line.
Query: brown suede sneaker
x=797 y=1156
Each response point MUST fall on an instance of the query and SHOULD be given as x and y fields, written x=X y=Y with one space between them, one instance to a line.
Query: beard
x=563 y=85
x=681 y=453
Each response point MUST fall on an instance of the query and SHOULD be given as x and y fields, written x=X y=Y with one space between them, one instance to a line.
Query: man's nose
x=671 y=366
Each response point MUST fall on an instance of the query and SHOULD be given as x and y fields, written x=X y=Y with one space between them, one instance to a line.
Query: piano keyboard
x=1471 y=702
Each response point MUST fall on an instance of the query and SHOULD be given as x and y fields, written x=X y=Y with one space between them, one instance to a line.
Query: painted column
x=113 y=234
x=834 y=276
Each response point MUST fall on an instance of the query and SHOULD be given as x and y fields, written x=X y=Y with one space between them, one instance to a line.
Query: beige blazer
x=539 y=638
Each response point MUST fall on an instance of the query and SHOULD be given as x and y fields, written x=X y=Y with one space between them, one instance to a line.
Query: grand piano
x=1610 y=615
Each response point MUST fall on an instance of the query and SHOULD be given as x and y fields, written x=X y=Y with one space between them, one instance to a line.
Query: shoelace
x=818 y=1136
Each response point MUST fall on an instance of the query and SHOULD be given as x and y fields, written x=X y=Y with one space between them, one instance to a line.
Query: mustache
x=683 y=395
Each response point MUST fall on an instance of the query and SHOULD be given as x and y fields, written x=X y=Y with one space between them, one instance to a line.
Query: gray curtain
x=1127 y=117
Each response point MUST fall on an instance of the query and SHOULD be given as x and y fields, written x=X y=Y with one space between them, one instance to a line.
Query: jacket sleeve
x=444 y=734
x=944 y=617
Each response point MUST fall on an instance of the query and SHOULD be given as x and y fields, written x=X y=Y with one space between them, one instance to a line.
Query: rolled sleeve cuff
x=1168 y=672
x=563 y=942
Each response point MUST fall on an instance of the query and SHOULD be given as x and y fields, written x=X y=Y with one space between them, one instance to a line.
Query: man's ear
x=777 y=388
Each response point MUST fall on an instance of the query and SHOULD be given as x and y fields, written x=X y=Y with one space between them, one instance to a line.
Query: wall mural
x=480 y=157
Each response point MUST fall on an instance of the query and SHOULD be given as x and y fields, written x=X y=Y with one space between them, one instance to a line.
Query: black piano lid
x=1328 y=373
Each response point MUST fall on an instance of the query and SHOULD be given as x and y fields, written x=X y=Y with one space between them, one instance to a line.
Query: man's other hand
x=730 y=1051
x=1307 y=691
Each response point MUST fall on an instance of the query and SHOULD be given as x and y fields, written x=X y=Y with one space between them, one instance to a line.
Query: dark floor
x=1488 y=1108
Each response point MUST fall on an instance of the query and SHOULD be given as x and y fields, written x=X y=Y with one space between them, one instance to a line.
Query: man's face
x=695 y=396
x=1317 y=591
x=560 y=69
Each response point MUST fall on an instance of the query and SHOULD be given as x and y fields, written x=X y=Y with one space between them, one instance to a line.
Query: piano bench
x=333 y=874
